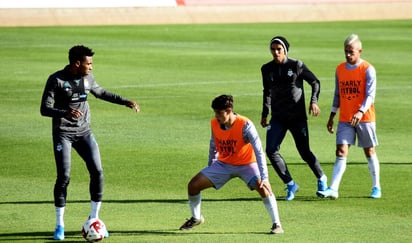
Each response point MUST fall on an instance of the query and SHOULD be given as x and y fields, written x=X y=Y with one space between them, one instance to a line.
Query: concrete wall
x=206 y=11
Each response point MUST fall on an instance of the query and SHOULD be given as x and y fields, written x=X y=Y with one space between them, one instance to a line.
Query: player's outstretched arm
x=133 y=105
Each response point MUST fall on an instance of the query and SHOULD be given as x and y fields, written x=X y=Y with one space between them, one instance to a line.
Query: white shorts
x=364 y=131
x=220 y=173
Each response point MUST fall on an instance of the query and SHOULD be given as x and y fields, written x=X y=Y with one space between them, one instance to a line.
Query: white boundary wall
x=190 y=12
x=85 y=4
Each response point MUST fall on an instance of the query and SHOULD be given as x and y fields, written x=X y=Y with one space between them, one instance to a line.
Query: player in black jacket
x=64 y=99
x=283 y=95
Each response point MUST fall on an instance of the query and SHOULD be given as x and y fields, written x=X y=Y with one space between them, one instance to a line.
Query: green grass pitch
x=174 y=71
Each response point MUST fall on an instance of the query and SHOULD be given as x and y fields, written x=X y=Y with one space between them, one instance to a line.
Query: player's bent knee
x=253 y=183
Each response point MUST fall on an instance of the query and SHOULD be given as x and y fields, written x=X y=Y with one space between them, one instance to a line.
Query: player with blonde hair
x=355 y=88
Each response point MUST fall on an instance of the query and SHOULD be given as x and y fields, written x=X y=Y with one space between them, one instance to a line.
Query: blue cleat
x=322 y=185
x=292 y=189
x=59 y=233
x=376 y=193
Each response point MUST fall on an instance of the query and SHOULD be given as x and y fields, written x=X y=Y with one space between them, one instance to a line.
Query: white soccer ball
x=93 y=230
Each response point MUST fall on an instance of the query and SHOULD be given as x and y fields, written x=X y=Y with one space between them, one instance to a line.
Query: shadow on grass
x=184 y=201
x=71 y=236
x=74 y=236
x=139 y=201
x=351 y=163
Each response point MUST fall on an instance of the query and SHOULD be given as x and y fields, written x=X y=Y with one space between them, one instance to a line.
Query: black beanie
x=280 y=40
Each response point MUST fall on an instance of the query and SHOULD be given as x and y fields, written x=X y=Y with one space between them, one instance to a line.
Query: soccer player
x=65 y=100
x=235 y=151
x=283 y=95
x=355 y=88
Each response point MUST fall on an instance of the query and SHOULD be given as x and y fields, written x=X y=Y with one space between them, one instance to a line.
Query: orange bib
x=230 y=144
x=352 y=92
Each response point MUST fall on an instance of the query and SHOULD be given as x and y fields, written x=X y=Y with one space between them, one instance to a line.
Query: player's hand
x=314 y=109
x=329 y=126
x=264 y=184
x=133 y=105
x=263 y=122
x=73 y=113
x=356 y=118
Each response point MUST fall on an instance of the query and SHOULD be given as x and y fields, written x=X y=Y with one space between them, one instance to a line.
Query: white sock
x=194 y=204
x=59 y=216
x=95 y=208
x=374 y=168
x=338 y=170
x=272 y=207
x=290 y=183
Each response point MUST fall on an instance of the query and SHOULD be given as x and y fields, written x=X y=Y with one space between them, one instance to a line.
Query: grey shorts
x=220 y=173
x=365 y=132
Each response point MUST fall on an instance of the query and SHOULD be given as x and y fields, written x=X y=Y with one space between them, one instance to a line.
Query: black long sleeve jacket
x=283 y=91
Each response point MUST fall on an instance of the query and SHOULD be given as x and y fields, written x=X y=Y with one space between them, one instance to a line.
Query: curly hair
x=77 y=53
x=222 y=102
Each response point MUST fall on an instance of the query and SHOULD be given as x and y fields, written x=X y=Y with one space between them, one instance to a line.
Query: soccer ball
x=93 y=230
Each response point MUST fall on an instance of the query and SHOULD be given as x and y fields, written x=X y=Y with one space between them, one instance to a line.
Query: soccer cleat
x=322 y=184
x=329 y=192
x=276 y=229
x=192 y=222
x=292 y=189
x=376 y=193
x=59 y=233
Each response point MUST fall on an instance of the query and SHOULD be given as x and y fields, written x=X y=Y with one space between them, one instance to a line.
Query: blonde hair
x=354 y=40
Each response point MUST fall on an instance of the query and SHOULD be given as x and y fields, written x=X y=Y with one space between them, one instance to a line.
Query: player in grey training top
x=65 y=100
